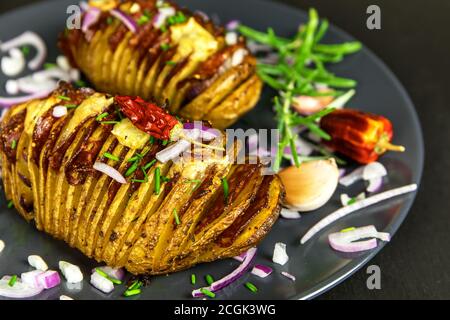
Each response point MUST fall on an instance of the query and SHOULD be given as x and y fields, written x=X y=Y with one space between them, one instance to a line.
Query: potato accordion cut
x=48 y=174
x=183 y=61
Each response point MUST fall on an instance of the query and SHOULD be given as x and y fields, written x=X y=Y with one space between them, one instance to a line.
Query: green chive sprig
x=105 y=275
x=207 y=293
x=12 y=281
x=250 y=286
x=111 y=156
x=209 y=279
x=177 y=218
x=193 y=279
x=157 y=181
x=226 y=188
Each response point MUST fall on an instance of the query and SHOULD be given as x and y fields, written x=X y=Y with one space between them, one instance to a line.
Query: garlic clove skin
x=310 y=186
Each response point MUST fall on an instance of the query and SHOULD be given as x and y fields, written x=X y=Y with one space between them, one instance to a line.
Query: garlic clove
x=310 y=186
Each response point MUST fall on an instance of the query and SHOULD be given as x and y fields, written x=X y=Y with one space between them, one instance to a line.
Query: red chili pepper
x=147 y=116
x=358 y=135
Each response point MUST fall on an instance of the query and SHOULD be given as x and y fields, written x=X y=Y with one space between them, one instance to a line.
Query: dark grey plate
x=316 y=266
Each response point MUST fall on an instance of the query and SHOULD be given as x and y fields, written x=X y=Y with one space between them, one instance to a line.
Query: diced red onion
x=288 y=275
x=241 y=257
x=49 y=279
x=19 y=290
x=101 y=283
x=280 y=255
x=375 y=184
x=125 y=19
x=37 y=262
x=31 y=278
x=345 y=241
x=28 y=38
x=233 y=25
x=290 y=214
x=117 y=273
x=110 y=171
x=13 y=64
x=59 y=111
x=374 y=170
x=90 y=18
x=342 y=212
x=262 y=271
x=227 y=280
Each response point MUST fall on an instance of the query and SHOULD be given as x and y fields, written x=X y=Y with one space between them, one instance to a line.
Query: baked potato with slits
x=168 y=55
x=48 y=173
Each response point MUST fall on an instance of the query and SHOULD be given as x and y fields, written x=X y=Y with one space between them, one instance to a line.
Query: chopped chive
x=157 y=181
x=131 y=169
x=64 y=98
x=193 y=181
x=130 y=293
x=225 y=186
x=151 y=140
x=163 y=28
x=351 y=201
x=13 y=144
x=150 y=164
x=208 y=293
x=109 y=20
x=165 y=142
x=12 y=281
x=348 y=229
x=165 y=46
x=139 y=180
x=71 y=106
x=102 y=116
x=165 y=179
x=209 y=279
x=250 y=286
x=48 y=66
x=193 y=279
x=10 y=204
x=109 y=122
x=133 y=159
x=143 y=20
x=115 y=281
x=105 y=275
x=25 y=50
x=177 y=218
x=135 y=285
x=111 y=156
x=171 y=63
x=80 y=83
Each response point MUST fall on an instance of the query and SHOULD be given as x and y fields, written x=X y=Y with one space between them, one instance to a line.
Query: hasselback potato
x=166 y=216
x=161 y=52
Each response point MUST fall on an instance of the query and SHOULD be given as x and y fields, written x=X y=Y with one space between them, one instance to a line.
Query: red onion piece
x=374 y=170
x=125 y=19
x=28 y=38
x=32 y=278
x=288 y=275
x=117 y=273
x=375 y=184
x=49 y=279
x=232 y=277
x=344 y=241
x=342 y=212
x=262 y=271
x=241 y=257
x=233 y=25
x=90 y=18
x=19 y=290
x=110 y=171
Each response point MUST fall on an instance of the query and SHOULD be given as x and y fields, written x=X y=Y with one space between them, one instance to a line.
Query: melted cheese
x=129 y=135
x=194 y=40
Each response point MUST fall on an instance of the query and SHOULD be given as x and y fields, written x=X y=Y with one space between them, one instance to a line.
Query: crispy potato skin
x=49 y=177
x=156 y=66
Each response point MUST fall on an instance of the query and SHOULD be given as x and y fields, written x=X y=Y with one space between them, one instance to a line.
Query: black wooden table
x=414 y=41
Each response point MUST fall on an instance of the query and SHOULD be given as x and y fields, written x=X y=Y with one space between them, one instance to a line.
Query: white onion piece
x=342 y=212
x=28 y=38
x=238 y=57
x=344 y=241
x=345 y=199
x=352 y=177
x=206 y=133
x=53 y=73
x=59 y=111
x=14 y=64
x=110 y=172
x=37 y=262
x=162 y=15
x=290 y=214
x=374 y=170
x=2 y=245
x=262 y=271
x=117 y=273
x=12 y=87
x=31 y=278
x=63 y=63
x=125 y=19
x=18 y=291
x=30 y=85
x=231 y=38
x=63 y=297
x=280 y=255
x=101 y=283
x=49 y=279
x=8 y=102
x=288 y=275
x=375 y=184
x=227 y=280
x=71 y=272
